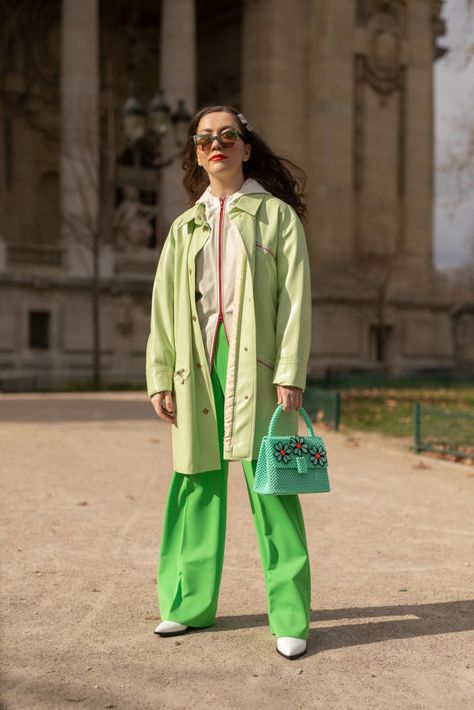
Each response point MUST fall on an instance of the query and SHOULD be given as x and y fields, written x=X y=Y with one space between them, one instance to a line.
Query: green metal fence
x=322 y=405
x=442 y=430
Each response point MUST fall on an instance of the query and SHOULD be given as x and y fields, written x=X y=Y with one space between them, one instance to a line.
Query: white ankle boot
x=170 y=628
x=291 y=647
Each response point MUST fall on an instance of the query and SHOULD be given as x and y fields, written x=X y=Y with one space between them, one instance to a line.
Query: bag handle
x=276 y=414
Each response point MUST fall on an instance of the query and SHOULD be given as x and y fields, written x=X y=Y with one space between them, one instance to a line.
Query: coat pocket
x=266 y=363
x=265 y=248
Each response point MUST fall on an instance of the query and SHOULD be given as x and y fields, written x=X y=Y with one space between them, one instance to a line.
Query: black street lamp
x=181 y=119
x=141 y=161
x=134 y=119
x=159 y=112
x=157 y=121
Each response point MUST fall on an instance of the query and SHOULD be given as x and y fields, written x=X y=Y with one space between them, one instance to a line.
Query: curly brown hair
x=264 y=165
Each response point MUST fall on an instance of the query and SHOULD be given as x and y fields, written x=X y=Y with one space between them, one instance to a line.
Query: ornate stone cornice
x=438 y=28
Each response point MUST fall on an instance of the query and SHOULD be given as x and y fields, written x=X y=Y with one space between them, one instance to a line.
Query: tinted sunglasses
x=226 y=139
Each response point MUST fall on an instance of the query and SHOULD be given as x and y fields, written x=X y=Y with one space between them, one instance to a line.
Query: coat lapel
x=243 y=216
x=199 y=235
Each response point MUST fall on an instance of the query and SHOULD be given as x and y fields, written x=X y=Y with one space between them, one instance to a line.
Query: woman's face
x=234 y=156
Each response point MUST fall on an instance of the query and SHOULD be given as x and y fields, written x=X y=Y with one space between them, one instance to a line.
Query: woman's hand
x=291 y=397
x=163 y=404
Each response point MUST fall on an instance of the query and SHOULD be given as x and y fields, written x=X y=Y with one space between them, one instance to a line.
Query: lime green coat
x=269 y=343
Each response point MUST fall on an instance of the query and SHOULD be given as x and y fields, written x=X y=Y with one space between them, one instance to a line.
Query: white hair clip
x=244 y=121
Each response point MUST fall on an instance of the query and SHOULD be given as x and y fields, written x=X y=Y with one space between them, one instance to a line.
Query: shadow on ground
x=437 y=618
x=431 y=619
x=53 y=410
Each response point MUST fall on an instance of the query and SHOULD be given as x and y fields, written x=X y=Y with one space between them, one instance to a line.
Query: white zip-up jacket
x=216 y=265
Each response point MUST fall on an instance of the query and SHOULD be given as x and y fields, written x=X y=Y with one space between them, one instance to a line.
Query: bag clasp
x=301 y=464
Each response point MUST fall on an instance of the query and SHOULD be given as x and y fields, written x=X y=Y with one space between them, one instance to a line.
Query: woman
x=230 y=339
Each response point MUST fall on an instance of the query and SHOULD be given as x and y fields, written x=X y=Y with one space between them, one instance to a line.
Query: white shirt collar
x=249 y=185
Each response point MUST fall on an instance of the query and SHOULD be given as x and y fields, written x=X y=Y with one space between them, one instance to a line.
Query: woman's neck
x=220 y=188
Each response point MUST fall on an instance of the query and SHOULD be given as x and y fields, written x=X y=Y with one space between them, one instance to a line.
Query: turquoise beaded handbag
x=291 y=464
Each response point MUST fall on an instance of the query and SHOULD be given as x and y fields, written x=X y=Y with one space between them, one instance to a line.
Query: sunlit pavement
x=84 y=480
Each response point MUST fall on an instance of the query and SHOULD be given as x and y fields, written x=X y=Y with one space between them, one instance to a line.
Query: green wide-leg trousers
x=193 y=540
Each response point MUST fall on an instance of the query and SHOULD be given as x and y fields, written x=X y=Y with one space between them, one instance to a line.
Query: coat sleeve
x=293 y=321
x=160 y=349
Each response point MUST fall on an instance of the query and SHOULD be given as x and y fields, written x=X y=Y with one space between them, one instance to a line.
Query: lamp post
x=146 y=131
x=155 y=124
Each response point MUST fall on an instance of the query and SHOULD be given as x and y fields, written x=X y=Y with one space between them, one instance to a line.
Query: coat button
x=198 y=364
x=246 y=396
x=194 y=317
x=205 y=410
x=245 y=349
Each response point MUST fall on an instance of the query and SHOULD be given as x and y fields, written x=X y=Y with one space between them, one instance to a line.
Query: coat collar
x=249 y=199
x=248 y=187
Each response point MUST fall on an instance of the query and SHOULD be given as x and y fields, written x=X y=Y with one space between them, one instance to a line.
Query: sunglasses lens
x=229 y=137
x=226 y=138
x=203 y=141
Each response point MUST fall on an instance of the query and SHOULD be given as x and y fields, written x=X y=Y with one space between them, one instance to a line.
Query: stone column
x=79 y=131
x=330 y=96
x=419 y=136
x=275 y=74
x=3 y=255
x=178 y=80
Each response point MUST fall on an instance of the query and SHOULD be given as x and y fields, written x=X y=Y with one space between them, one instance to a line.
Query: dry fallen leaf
x=351 y=442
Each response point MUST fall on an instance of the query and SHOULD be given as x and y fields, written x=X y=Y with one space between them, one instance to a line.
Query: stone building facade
x=342 y=87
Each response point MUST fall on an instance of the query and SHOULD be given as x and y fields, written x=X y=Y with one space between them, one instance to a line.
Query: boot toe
x=170 y=628
x=291 y=647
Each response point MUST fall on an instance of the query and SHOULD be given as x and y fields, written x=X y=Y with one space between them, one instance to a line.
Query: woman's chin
x=221 y=170
x=218 y=165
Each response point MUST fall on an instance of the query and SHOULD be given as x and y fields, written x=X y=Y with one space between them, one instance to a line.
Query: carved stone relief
x=438 y=28
x=382 y=68
x=132 y=222
x=366 y=9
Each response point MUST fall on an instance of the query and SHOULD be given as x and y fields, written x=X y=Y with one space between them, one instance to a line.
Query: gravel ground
x=84 y=479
